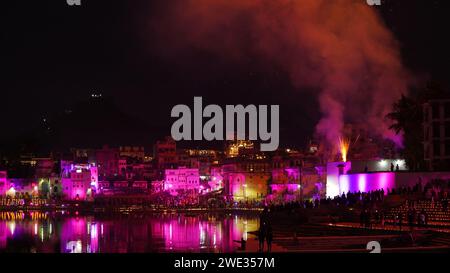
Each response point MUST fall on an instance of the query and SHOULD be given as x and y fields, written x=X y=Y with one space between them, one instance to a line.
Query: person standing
x=269 y=238
x=263 y=223
x=400 y=220
x=261 y=237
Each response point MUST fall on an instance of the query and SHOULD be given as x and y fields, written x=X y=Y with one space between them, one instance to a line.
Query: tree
x=407 y=117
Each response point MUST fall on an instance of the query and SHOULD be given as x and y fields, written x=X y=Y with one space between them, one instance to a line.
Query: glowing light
x=12 y=227
x=344 y=145
x=11 y=192
x=382 y=163
x=367 y=182
x=362 y=183
x=399 y=162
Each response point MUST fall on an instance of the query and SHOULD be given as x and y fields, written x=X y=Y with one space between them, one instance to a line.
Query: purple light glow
x=366 y=182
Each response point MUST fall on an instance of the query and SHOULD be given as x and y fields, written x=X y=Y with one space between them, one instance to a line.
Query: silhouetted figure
x=243 y=243
x=366 y=169
x=400 y=220
x=362 y=218
x=410 y=218
x=397 y=168
x=445 y=204
x=261 y=237
x=269 y=238
x=264 y=217
x=392 y=167
x=263 y=224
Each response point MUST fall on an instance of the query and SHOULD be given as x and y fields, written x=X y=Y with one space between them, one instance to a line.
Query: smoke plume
x=341 y=48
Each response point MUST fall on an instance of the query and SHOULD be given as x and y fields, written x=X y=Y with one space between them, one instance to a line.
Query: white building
x=181 y=179
x=79 y=182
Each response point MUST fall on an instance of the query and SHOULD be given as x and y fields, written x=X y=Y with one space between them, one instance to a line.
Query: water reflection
x=58 y=232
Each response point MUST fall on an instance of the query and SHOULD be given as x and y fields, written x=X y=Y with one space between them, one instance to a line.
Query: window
x=447 y=148
x=436 y=129
x=436 y=148
x=447 y=129
x=436 y=112
x=447 y=110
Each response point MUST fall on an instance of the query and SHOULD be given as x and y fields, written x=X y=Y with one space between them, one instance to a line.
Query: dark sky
x=54 y=55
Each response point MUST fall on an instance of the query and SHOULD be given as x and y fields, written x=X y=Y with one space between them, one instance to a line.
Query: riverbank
x=129 y=209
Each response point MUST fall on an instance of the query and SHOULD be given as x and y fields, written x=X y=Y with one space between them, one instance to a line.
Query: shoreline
x=128 y=209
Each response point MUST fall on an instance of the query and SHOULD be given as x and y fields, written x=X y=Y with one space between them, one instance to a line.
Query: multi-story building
x=79 y=181
x=436 y=126
x=239 y=148
x=246 y=180
x=216 y=179
x=136 y=152
x=107 y=160
x=181 y=179
x=43 y=167
x=286 y=180
x=165 y=153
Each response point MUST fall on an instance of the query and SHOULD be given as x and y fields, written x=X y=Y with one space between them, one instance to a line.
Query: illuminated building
x=181 y=179
x=365 y=182
x=246 y=180
x=136 y=152
x=165 y=153
x=80 y=182
x=22 y=186
x=107 y=160
x=365 y=176
x=201 y=159
x=43 y=167
x=286 y=182
x=239 y=147
x=216 y=179
x=436 y=125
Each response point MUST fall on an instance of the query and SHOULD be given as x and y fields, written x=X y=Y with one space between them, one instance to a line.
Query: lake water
x=43 y=232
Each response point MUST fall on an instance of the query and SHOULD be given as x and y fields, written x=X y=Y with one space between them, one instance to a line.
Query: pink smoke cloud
x=340 y=48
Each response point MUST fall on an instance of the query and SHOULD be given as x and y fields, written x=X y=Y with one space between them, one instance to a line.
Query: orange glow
x=344 y=145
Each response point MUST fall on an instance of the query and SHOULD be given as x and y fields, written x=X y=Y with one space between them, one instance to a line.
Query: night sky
x=54 y=56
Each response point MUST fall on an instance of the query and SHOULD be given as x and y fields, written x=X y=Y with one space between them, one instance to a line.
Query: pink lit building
x=285 y=180
x=181 y=179
x=4 y=185
x=107 y=160
x=344 y=177
x=165 y=153
x=79 y=181
x=366 y=182
x=216 y=178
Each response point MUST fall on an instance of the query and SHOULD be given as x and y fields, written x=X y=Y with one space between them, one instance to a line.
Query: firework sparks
x=344 y=145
